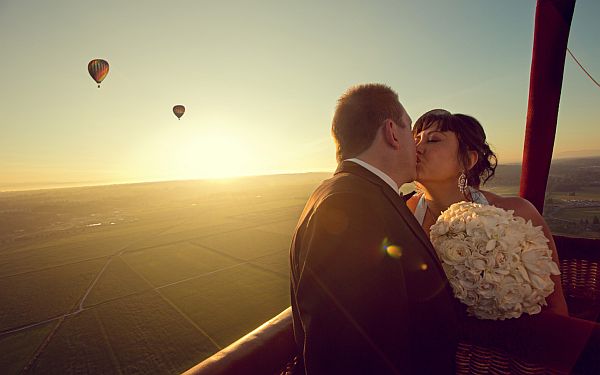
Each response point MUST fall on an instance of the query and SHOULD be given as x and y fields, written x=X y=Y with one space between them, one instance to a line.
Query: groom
x=368 y=294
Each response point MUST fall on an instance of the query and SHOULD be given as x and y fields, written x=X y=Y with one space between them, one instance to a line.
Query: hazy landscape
x=572 y=204
x=155 y=277
x=145 y=278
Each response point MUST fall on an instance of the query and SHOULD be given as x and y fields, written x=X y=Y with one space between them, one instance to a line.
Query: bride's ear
x=473 y=158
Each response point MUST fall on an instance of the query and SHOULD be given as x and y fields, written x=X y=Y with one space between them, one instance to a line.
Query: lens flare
x=394 y=251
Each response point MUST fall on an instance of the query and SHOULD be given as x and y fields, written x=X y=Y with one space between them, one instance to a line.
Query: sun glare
x=215 y=155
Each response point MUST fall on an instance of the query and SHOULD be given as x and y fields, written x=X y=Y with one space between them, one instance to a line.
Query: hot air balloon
x=179 y=110
x=98 y=69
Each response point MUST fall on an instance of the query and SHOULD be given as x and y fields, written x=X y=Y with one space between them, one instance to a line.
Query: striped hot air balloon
x=98 y=69
x=179 y=110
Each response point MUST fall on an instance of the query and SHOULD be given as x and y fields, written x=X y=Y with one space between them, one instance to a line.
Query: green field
x=246 y=244
x=78 y=337
x=587 y=193
x=579 y=213
x=117 y=281
x=36 y=296
x=171 y=263
x=232 y=301
x=138 y=335
x=171 y=272
x=18 y=349
x=96 y=243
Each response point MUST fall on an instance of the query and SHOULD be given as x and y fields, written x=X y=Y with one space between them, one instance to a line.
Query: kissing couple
x=386 y=283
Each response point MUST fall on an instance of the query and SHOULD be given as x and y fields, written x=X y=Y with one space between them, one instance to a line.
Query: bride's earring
x=462 y=183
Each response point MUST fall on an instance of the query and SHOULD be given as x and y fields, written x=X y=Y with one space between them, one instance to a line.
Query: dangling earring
x=462 y=183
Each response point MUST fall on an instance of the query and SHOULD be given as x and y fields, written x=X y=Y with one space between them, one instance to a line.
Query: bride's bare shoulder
x=522 y=207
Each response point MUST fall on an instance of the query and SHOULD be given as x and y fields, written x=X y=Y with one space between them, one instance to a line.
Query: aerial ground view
x=155 y=159
x=144 y=278
x=155 y=277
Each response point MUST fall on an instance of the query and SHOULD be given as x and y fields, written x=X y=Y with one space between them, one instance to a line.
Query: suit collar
x=411 y=222
x=356 y=169
x=378 y=172
x=347 y=166
x=396 y=200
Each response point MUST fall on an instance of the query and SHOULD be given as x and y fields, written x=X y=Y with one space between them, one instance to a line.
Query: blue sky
x=260 y=80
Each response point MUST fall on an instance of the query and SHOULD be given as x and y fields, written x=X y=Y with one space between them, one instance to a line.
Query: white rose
x=514 y=311
x=491 y=276
x=469 y=280
x=536 y=297
x=471 y=298
x=533 y=309
x=459 y=291
x=478 y=262
x=438 y=229
x=544 y=284
x=474 y=228
x=454 y=251
x=457 y=225
x=487 y=289
x=536 y=260
x=485 y=309
x=503 y=262
x=510 y=241
x=509 y=292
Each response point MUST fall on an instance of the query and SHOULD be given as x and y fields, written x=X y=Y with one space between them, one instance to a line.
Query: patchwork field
x=144 y=278
x=171 y=263
x=19 y=348
x=214 y=301
x=36 y=296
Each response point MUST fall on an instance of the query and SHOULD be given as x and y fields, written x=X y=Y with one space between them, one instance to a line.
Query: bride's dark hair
x=471 y=137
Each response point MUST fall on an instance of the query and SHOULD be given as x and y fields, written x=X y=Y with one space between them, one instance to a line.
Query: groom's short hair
x=359 y=114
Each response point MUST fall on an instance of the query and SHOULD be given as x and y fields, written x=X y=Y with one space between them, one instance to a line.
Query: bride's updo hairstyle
x=471 y=137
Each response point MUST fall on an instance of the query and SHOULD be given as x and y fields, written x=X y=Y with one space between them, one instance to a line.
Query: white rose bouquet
x=498 y=264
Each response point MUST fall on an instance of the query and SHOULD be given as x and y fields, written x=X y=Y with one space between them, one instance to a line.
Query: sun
x=212 y=155
x=196 y=152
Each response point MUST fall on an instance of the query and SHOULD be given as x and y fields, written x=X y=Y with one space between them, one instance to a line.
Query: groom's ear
x=390 y=134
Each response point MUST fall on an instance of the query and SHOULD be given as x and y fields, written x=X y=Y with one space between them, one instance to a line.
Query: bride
x=453 y=160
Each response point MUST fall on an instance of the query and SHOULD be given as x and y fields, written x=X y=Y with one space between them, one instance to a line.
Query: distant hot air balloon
x=179 y=110
x=98 y=69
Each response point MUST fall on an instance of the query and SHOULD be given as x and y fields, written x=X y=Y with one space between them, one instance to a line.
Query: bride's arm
x=556 y=301
x=523 y=208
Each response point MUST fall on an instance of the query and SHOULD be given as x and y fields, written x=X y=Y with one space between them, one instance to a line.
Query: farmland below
x=155 y=277
x=142 y=278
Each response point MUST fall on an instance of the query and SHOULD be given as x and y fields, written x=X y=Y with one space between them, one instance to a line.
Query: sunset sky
x=259 y=80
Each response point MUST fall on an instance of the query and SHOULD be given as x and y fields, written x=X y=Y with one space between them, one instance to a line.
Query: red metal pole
x=551 y=34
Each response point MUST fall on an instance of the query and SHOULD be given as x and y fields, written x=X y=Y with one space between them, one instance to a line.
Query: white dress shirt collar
x=377 y=172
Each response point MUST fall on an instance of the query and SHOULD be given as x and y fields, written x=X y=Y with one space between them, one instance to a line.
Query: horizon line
x=38 y=186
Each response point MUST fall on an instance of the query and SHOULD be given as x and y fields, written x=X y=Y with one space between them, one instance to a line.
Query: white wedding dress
x=421 y=209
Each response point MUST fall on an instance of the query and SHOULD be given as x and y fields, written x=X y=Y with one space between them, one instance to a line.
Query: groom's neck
x=387 y=166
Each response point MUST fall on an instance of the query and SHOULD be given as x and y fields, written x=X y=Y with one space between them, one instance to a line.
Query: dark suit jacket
x=368 y=293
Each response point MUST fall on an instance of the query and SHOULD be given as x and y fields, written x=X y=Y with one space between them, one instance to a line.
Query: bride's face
x=437 y=156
